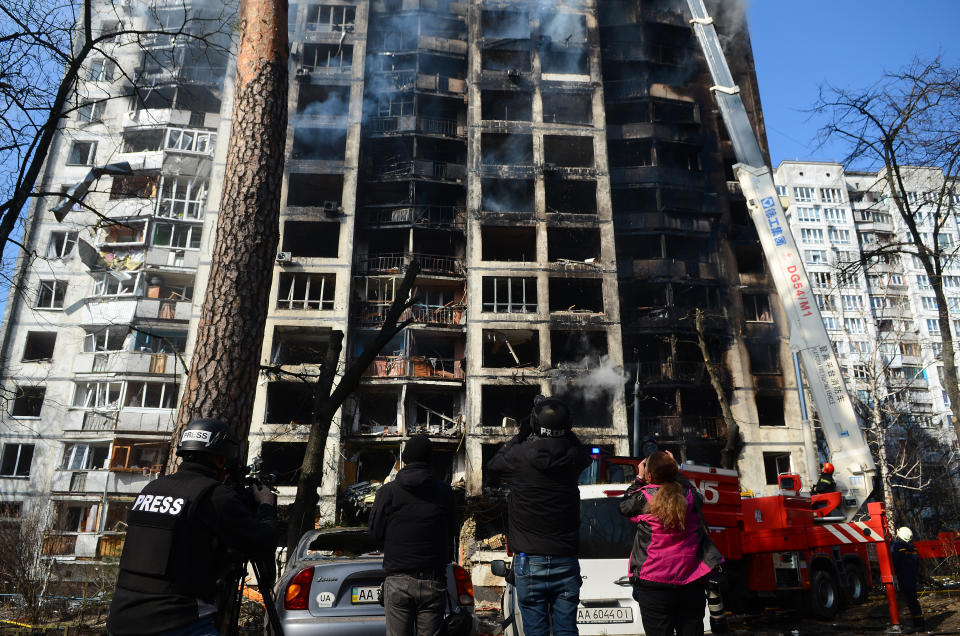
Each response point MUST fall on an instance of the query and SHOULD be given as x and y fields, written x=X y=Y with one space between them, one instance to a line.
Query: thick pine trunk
x=226 y=357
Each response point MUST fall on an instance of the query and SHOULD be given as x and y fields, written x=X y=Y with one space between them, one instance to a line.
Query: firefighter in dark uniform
x=826 y=482
x=906 y=565
x=178 y=531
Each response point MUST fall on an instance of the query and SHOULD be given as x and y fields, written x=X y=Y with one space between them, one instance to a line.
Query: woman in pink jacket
x=672 y=554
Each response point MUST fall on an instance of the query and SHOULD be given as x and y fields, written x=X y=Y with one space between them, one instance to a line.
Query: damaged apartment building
x=559 y=171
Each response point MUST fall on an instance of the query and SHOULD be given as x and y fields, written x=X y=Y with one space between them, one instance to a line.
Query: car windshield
x=604 y=532
x=341 y=543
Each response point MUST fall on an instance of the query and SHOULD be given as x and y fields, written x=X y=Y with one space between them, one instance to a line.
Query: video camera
x=252 y=474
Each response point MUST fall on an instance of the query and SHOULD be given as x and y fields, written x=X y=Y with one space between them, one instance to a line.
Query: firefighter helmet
x=905 y=534
x=827 y=468
x=209 y=436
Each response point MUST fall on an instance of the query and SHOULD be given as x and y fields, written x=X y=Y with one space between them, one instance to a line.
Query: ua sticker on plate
x=325 y=599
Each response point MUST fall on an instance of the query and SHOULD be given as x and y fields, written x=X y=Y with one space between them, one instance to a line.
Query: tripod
x=273 y=618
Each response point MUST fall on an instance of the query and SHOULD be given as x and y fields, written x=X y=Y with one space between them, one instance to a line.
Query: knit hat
x=905 y=534
x=417 y=449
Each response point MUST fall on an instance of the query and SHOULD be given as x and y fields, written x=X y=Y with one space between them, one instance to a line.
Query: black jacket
x=825 y=484
x=906 y=563
x=412 y=517
x=544 y=501
x=174 y=550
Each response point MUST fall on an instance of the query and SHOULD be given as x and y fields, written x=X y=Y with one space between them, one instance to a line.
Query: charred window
x=687 y=296
x=749 y=259
x=377 y=411
x=306 y=291
x=504 y=24
x=576 y=294
x=289 y=403
x=323 y=56
x=283 y=459
x=319 y=144
x=299 y=345
x=629 y=112
x=133 y=186
x=509 y=294
x=311 y=239
x=679 y=156
x=565 y=107
x=323 y=100
x=562 y=60
x=688 y=248
x=675 y=112
x=511 y=348
x=315 y=190
x=756 y=308
x=568 y=151
x=627 y=200
x=39 y=345
x=507 y=105
x=578 y=349
x=775 y=463
x=641 y=247
x=511 y=61
x=506 y=149
x=507 y=195
x=498 y=401
x=770 y=409
x=143 y=140
x=508 y=243
x=569 y=196
x=630 y=153
x=573 y=244
x=764 y=357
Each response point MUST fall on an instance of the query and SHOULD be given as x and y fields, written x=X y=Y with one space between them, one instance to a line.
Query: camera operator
x=179 y=530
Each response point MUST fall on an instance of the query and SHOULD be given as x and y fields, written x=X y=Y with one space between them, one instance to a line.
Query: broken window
x=511 y=348
x=576 y=294
x=562 y=60
x=143 y=140
x=82 y=153
x=764 y=357
x=679 y=156
x=756 y=308
x=28 y=401
x=39 y=345
x=105 y=339
x=498 y=401
x=566 y=107
x=509 y=295
x=590 y=405
x=326 y=17
x=641 y=247
x=630 y=153
x=580 y=349
x=675 y=112
x=775 y=463
x=507 y=105
x=94 y=395
x=299 y=345
x=306 y=291
x=122 y=233
x=686 y=296
x=506 y=149
x=140 y=457
x=101 y=70
x=377 y=411
x=289 y=403
x=501 y=243
x=182 y=197
x=50 y=294
x=151 y=395
x=137 y=186
x=61 y=244
x=315 y=190
x=574 y=151
x=628 y=112
x=504 y=24
x=581 y=245
x=571 y=196
x=319 y=144
x=76 y=516
x=180 y=235
x=749 y=259
x=160 y=341
x=507 y=195
x=688 y=248
x=627 y=200
x=512 y=61
x=90 y=111
x=283 y=459
x=435 y=413
x=17 y=459
x=84 y=456
x=324 y=100
x=770 y=409
x=321 y=56
x=189 y=140
x=311 y=239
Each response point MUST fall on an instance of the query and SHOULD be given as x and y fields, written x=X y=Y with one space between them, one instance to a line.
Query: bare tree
x=908 y=119
x=23 y=568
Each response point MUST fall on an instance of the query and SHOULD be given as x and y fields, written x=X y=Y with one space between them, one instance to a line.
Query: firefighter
x=906 y=565
x=179 y=529
x=825 y=483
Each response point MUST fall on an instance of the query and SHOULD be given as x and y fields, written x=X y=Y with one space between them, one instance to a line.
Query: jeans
x=548 y=590
x=205 y=627
x=666 y=611
x=413 y=607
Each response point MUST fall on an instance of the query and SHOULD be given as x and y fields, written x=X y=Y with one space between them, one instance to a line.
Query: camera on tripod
x=252 y=474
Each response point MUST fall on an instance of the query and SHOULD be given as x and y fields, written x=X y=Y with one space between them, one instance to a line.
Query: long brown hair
x=668 y=504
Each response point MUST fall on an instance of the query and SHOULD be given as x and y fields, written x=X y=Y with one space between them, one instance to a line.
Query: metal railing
x=657 y=371
x=430 y=215
x=373 y=314
x=416 y=367
x=398 y=262
x=684 y=426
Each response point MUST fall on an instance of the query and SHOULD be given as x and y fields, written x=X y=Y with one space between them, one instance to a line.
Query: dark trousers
x=909 y=595
x=413 y=607
x=670 y=611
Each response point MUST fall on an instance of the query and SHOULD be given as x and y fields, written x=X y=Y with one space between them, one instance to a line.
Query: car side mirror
x=508 y=421
x=498 y=567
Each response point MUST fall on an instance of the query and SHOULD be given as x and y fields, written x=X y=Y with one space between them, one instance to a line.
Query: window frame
x=16 y=472
x=91 y=153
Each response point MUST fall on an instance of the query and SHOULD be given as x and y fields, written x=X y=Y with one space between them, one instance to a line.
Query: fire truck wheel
x=824 y=595
x=856 y=583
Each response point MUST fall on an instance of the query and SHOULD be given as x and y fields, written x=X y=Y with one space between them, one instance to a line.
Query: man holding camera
x=542 y=465
x=178 y=532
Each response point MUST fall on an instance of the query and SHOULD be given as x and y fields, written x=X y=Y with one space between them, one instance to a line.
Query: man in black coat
x=542 y=465
x=906 y=565
x=413 y=517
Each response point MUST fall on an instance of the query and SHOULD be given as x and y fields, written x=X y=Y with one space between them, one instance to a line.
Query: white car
x=606 y=597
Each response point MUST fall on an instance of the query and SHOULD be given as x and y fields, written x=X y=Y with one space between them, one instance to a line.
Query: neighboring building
x=559 y=172
x=881 y=316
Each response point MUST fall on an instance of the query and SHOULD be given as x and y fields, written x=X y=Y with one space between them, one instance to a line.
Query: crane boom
x=849 y=452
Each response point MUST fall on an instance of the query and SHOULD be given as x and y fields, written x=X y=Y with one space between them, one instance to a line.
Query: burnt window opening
x=326 y=17
x=442 y=66
x=323 y=56
x=511 y=61
x=306 y=291
x=39 y=345
x=700 y=401
x=563 y=28
x=315 y=190
x=437 y=243
x=377 y=411
x=580 y=349
x=507 y=195
x=576 y=294
x=658 y=403
x=506 y=149
x=764 y=357
x=560 y=60
x=373 y=464
x=504 y=24
x=28 y=401
x=688 y=248
x=134 y=186
x=630 y=153
x=775 y=463
x=507 y=105
x=323 y=100
x=319 y=144
x=770 y=409
x=509 y=294
x=299 y=345
x=510 y=348
x=679 y=156
x=573 y=244
x=284 y=460
x=434 y=413
x=289 y=403
x=571 y=196
x=627 y=200
x=677 y=199
x=143 y=140
x=574 y=151
x=590 y=407
x=498 y=401
x=739 y=215
x=756 y=308
x=675 y=112
x=629 y=112
x=695 y=296
x=641 y=247
x=641 y=296
x=749 y=259
x=502 y=243
x=311 y=239
x=565 y=107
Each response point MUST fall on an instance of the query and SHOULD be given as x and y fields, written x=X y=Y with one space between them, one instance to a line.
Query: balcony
x=669 y=372
x=100 y=481
x=203 y=75
x=373 y=315
x=684 y=427
x=420 y=168
x=397 y=263
x=416 y=368
x=423 y=125
x=155 y=309
x=134 y=362
x=125 y=420
x=434 y=216
x=172 y=257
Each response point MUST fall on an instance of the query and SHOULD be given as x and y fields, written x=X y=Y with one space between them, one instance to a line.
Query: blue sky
x=849 y=43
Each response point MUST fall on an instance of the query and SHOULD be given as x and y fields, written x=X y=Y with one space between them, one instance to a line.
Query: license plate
x=604 y=614
x=363 y=595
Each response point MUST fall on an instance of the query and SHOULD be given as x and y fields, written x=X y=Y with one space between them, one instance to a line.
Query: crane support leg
x=877 y=514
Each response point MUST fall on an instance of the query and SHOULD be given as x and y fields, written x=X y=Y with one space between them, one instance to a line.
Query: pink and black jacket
x=668 y=558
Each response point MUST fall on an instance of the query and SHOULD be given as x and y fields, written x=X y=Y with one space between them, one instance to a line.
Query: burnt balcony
x=373 y=315
x=398 y=262
x=433 y=216
x=669 y=372
x=684 y=427
x=411 y=124
x=416 y=368
x=420 y=168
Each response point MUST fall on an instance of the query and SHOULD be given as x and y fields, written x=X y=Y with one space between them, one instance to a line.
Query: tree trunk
x=226 y=357
x=303 y=510
x=731 y=450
